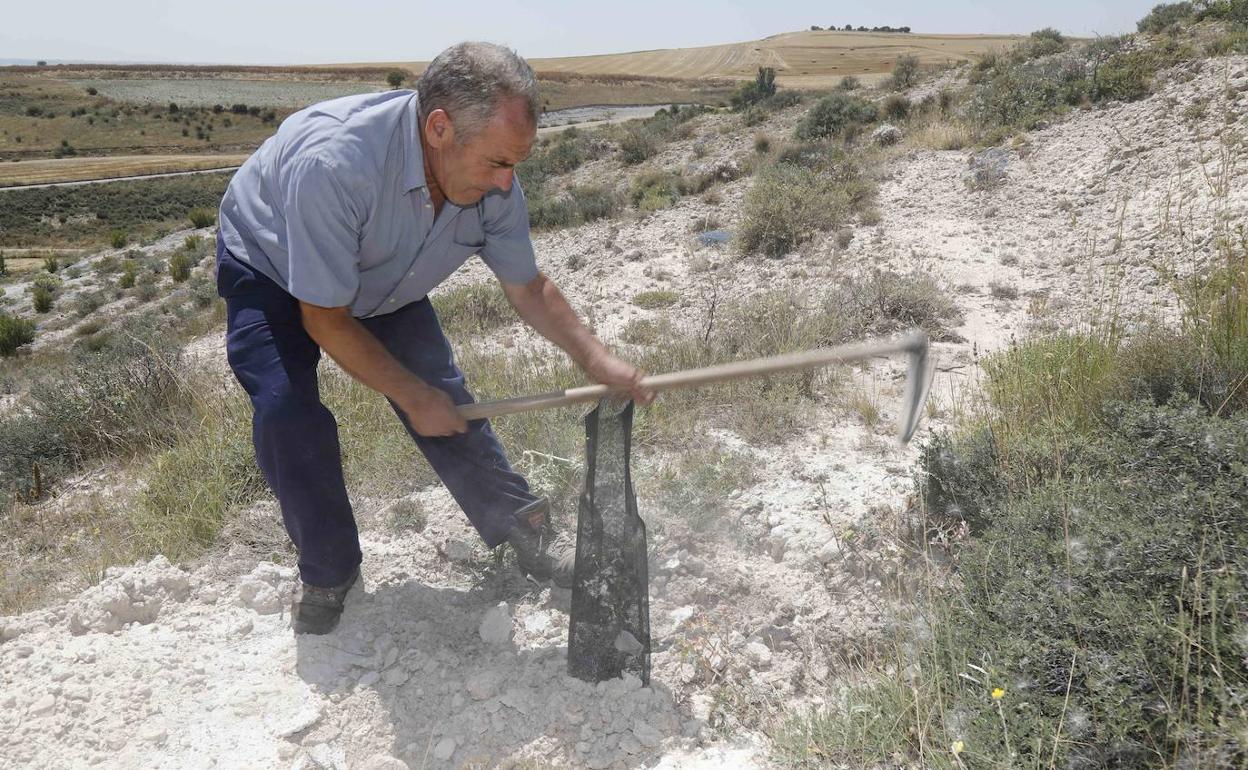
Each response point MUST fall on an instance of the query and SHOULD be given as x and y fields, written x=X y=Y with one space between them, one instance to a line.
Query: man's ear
x=439 y=131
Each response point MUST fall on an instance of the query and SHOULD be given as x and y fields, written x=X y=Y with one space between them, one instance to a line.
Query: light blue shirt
x=334 y=208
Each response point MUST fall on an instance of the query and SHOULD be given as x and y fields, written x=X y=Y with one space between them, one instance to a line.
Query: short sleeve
x=508 y=249
x=323 y=218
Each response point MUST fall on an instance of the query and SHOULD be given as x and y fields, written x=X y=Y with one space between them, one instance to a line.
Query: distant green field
x=88 y=215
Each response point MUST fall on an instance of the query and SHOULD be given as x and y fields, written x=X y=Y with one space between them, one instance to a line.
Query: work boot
x=539 y=554
x=318 y=609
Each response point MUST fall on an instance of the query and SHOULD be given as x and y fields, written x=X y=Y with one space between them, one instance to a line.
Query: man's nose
x=502 y=179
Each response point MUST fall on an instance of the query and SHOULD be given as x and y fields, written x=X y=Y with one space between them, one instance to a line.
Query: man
x=331 y=236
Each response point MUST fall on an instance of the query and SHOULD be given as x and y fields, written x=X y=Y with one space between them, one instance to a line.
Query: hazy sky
x=318 y=31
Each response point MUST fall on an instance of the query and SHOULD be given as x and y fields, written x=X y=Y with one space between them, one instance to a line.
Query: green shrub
x=129 y=272
x=51 y=264
x=895 y=107
x=88 y=302
x=1125 y=77
x=122 y=400
x=180 y=266
x=849 y=83
x=782 y=100
x=395 y=78
x=42 y=299
x=753 y=116
x=141 y=208
x=88 y=328
x=762 y=87
x=576 y=205
x=811 y=188
x=1044 y=42
x=145 y=289
x=118 y=238
x=1104 y=588
x=637 y=144
x=201 y=217
x=905 y=72
x=833 y=114
x=882 y=302
x=594 y=202
x=14 y=333
x=4 y=268
x=655 y=190
x=1166 y=16
x=1024 y=95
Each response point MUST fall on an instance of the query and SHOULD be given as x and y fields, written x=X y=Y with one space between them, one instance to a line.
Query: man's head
x=478 y=114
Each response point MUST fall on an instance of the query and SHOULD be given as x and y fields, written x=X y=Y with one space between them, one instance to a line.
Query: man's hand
x=432 y=413
x=612 y=370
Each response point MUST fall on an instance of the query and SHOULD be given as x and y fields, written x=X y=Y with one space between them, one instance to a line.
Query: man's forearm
x=359 y=353
x=542 y=306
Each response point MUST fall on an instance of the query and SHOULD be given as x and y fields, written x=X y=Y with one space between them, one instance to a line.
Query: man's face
x=465 y=172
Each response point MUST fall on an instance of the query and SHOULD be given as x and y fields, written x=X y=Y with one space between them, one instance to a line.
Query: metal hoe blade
x=918 y=379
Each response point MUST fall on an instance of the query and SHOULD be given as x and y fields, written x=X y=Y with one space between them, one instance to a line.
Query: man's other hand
x=614 y=371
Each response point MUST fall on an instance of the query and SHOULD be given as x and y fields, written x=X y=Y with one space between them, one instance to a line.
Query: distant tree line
x=852 y=28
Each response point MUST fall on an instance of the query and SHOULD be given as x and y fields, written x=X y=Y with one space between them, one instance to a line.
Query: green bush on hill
x=14 y=333
x=834 y=113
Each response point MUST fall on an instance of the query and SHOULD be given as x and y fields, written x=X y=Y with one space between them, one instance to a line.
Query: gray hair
x=470 y=81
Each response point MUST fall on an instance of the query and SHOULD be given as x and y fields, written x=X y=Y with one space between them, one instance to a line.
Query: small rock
x=395 y=676
x=155 y=735
x=44 y=706
x=496 y=627
x=445 y=749
x=369 y=678
x=286 y=724
x=758 y=654
x=260 y=596
x=457 y=550
x=830 y=551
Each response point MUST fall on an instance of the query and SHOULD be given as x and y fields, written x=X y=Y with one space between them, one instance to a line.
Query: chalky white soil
x=444 y=660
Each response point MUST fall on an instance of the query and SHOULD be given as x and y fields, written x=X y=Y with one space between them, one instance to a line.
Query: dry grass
x=77 y=169
x=943 y=135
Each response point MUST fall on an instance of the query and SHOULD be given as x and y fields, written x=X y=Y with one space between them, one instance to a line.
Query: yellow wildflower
x=957 y=747
x=998 y=694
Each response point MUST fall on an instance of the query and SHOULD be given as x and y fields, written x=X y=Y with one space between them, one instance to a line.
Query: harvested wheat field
x=816 y=59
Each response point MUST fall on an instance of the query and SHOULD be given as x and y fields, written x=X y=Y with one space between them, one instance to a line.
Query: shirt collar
x=414 y=170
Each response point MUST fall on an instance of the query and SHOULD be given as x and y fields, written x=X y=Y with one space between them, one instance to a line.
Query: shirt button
x=409 y=275
x=392 y=302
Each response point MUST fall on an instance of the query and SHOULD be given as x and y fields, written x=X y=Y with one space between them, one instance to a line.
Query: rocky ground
x=445 y=659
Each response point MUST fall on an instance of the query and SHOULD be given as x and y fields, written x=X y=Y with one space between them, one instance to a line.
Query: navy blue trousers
x=296 y=436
